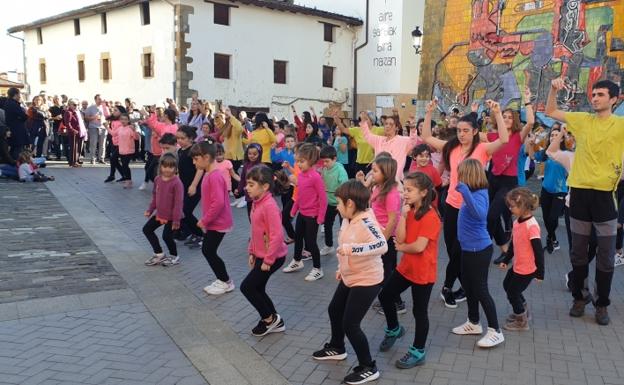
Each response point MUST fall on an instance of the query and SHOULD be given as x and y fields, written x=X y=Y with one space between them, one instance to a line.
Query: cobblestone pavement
x=557 y=350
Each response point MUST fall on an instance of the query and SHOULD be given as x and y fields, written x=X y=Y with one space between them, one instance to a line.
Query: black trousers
x=189 y=222
x=515 y=284
x=210 y=244
x=306 y=230
x=151 y=167
x=253 y=287
x=115 y=164
x=389 y=260
x=125 y=166
x=393 y=287
x=287 y=204
x=442 y=194
x=591 y=249
x=346 y=311
x=150 y=233
x=619 y=241
x=595 y=208
x=330 y=217
x=236 y=164
x=475 y=266
x=499 y=216
x=453 y=249
x=552 y=208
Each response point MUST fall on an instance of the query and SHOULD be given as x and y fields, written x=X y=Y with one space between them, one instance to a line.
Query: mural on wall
x=493 y=48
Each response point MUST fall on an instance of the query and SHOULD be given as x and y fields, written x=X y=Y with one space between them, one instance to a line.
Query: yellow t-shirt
x=599 y=151
x=365 y=153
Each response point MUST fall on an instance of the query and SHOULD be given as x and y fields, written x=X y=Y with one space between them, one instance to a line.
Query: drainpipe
x=355 y=65
x=23 y=61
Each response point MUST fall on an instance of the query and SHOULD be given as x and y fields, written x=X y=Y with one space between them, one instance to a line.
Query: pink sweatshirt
x=215 y=203
x=158 y=130
x=311 y=199
x=399 y=146
x=167 y=199
x=361 y=245
x=126 y=135
x=267 y=234
x=114 y=131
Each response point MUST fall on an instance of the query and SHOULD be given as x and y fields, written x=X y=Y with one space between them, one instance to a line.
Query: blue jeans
x=8 y=170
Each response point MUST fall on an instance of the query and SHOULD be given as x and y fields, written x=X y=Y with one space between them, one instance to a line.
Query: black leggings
x=287 y=204
x=619 y=240
x=475 y=266
x=253 y=287
x=115 y=165
x=151 y=167
x=393 y=287
x=306 y=229
x=210 y=244
x=125 y=166
x=235 y=166
x=330 y=218
x=346 y=311
x=189 y=222
x=515 y=284
x=167 y=235
x=389 y=260
x=499 y=216
x=453 y=268
x=552 y=208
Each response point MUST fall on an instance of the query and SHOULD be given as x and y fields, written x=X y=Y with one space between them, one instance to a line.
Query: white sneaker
x=242 y=203
x=619 y=259
x=326 y=250
x=314 y=275
x=468 y=328
x=293 y=266
x=143 y=186
x=171 y=260
x=235 y=202
x=219 y=287
x=491 y=339
x=322 y=229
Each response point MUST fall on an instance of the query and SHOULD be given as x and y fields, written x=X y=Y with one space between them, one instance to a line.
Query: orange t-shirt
x=454 y=198
x=296 y=172
x=522 y=234
x=421 y=268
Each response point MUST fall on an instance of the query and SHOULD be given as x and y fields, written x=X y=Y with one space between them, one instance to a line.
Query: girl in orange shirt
x=417 y=237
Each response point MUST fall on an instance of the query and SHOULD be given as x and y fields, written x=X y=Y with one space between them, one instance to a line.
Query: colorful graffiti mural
x=493 y=48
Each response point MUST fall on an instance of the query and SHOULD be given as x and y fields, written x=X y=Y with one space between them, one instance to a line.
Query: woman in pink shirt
x=126 y=135
x=398 y=146
x=466 y=144
x=159 y=129
x=113 y=126
x=267 y=250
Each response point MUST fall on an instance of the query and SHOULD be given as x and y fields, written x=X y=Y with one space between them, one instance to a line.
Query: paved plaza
x=77 y=306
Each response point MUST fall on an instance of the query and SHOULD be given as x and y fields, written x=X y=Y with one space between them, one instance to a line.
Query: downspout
x=23 y=60
x=355 y=65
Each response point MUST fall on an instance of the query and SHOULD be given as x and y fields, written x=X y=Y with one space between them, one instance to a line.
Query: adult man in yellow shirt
x=593 y=180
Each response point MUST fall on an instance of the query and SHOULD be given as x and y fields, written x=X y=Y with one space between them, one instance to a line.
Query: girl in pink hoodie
x=360 y=275
x=267 y=250
x=159 y=128
x=126 y=135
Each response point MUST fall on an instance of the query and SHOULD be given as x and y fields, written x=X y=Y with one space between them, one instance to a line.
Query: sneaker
x=619 y=259
x=306 y=255
x=330 y=353
x=578 y=308
x=156 y=259
x=556 y=245
x=520 y=322
x=602 y=316
x=459 y=295
x=491 y=339
x=109 y=179
x=448 y=298
x=196 y=244
x=314 y=275
x=171 y=261
x=413 y=357
x=550 y=248
x=143 y=186
x=234 y=202
x=362 y=374
x=294 y=265
x=390 y=338
x=468 y=328
x=219 y=287
x=192 y=239
x=400 y=309
x=242 y=203
x=326 y=250
x=276 y=326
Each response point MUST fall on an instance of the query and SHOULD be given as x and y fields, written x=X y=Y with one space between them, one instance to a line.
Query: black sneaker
x=362 y=374
x=602 y=316
x=276 y=326
x=550 y=247
x=500 y=259
x=448 y=298
x=556 y=244
x=109 y=179
x=330 y=353
x=459 y=295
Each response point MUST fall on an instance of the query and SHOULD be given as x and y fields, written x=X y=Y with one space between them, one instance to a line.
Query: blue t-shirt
x=283 y=156
x=555 y=175
x=522 y=157
x=472 y=220
x=343 y=157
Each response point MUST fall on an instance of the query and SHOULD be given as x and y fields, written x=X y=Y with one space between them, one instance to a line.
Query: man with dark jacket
x=15 y=117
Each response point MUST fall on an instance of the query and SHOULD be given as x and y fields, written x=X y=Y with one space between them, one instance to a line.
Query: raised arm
x=530 y=114
x=554 y=151
x=503 y=133
x=426 y=134
x=551 y=103
x=372 y=139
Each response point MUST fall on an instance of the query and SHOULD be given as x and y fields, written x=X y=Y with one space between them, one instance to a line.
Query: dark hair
x=422 y=182
x=328 y=152
x=12 y=92
x=121 y=110
x=454 y=142
x=307 y=118
x=220 y=148
x=562 y=145
x=204 y=148
x=262 y=174
x=260 y=118
x=388 y=167
x=188 y=131
x=355 y=191
x=289 y=136
x=169 y=139
x=614 y=89
x=309 y=152
x=171 y=114
x=314 y=130
x=420 y=149
x=255 y=146
x=168 y=160
x=125 y=115
x=96 y=96
x=523 y=198
x=455 y=110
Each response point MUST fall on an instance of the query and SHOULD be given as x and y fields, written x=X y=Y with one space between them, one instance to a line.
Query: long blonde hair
x=472 y=173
